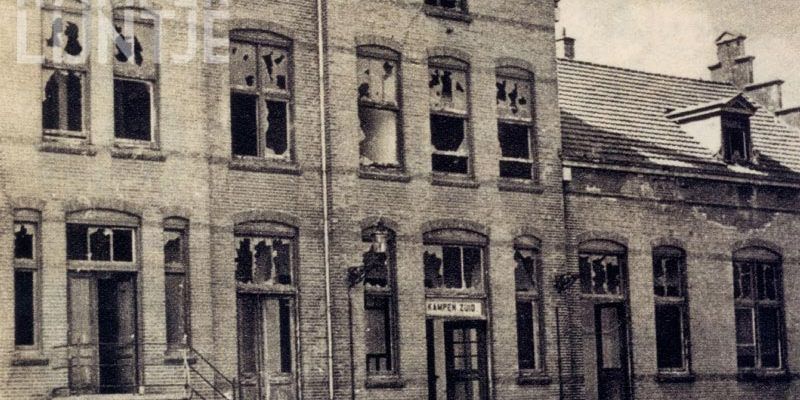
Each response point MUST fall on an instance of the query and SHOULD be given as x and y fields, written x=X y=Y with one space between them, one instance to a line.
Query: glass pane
x=50 y=103
x=132 y=106
x=263 y=262
x=123 y=245
x=248 y=329
x=514 y=98
x=136 y=47
x=74 y=100
x=175 y=302
x=378 y=145
x=285 y=319
x=744 y=326
x=99 y=244
x=24 y=308
x=243 y=65
x=377 y=81
x=743 y=280
x=769 y=334
x=448 y=90
x=278 y=335
x=473 y=273
x=449 y=163
x=525 y=336
x=525 y=271
x=24 y=241
x=767 y=282
x=452 y=267
x=516 y=169
x=601 y=274
x=669 y=336
x=274 y=69
x=275 y=126
x=244 y=128
x=64 y=37
x=282 y=260
x=447 y=133
x=610 y=337
x=673 y=277
x=432 y=262
x=514 y=140
x=173 y=248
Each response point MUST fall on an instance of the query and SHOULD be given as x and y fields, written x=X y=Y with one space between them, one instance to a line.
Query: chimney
x=734 y=66
x=565 y=46
x=768 y=94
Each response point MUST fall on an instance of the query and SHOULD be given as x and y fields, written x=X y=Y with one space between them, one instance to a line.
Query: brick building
x=366 y=200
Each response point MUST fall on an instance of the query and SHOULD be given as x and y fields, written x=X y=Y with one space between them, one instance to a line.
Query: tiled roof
x=614 y=115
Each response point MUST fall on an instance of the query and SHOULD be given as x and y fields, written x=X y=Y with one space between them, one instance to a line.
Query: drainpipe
x=323 y=136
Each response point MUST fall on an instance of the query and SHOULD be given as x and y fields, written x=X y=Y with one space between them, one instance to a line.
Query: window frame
x=182 y=269
x=460 y=238
x=30 y=217
x=150 y=22
x=80 y=67
x=519 y=74
x=754 y=257
x=660 y=254
x=264 y=39
x=605 y=247
x=733 y=122
x=454 y=64
x=535 y=299
x=381 y=53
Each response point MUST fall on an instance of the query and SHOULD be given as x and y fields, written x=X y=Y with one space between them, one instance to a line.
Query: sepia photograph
x=400 y=199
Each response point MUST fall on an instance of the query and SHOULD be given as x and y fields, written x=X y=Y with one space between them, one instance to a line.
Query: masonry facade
x=367 y=200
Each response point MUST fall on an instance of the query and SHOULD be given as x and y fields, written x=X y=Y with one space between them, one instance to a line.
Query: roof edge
x=638 y=71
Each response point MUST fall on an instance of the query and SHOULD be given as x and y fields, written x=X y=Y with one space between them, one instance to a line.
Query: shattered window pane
x=453 y=267
x=243 y=65
x=377 y=81
x=100 y=244
x=274 y=67
x=62 y=104
x=135 y=47
x=514 y=98
x=173 y=248
x=244 y=125
x=276 y=128
x=448 y=90
x=448 y=138
x=132 y=109
x=378 y=145
x=515 y=150
x=64 y=38
x=525 y=271
x=601 y=274
x=263 y=260
x=85 y=242
x=668 y=276
x=24 y=241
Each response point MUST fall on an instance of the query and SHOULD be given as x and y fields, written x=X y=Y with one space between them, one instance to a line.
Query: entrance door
x=266 y=347
x=102 y=333
x=465 y=360
x=611 y=334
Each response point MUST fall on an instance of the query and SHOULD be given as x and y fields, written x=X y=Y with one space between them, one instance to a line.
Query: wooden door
x=465 y=360
x=82 y=335
x=611 y=333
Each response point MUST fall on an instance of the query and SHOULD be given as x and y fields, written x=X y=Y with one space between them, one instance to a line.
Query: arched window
x=515 y=122
x=602 y=268
x=27 y=261
x=449 y=115
x=379 y=109
x=527 y=284
x=176 y=281
x=758 y=299
x=671 y=307
x=380 y=310
x=454 y=260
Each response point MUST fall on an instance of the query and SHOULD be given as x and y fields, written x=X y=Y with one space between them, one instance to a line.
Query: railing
x=105 y=368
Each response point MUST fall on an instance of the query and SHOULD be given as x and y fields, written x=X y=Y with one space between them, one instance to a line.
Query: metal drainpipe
x=323 y=135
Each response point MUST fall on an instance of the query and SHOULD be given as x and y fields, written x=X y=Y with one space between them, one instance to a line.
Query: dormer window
x=736 y=137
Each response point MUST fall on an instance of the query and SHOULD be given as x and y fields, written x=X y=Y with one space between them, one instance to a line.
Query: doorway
x=457 y=350
x=102 y=333
x=611 y=340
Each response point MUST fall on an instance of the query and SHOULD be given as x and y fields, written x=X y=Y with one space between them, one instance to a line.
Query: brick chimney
x=734 y=66
x=565 y=46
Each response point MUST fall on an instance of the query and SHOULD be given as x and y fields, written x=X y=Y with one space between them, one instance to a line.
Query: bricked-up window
x=515 y=122
x=736 y=137
x=64 y=70
x=453 y=260
x=261 y=95
x=176 y=283
x=26 y=283
x=758 y=298
x=671 y=307
x=456 y=5
x=378 y=71
x=136 y=55
x=380 y=312
x=602 y=268
x=449 y=115
x=527 y=278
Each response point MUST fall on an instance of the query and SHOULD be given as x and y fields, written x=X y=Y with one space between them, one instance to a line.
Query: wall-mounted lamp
x=565 y=281
x=375 y=257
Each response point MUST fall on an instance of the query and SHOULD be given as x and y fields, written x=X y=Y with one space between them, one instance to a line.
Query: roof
x=618 y=116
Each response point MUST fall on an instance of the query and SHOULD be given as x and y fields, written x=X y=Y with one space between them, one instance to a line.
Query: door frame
x=625 y=345
x=483 y=357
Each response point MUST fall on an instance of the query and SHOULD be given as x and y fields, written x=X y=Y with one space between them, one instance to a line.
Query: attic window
x=735 y=137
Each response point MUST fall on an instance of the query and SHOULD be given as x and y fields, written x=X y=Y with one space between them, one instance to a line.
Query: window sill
x=138 y=153
x=388 y=174
x=518 y=185
x=764 y=376
x=252 y=164
x=675 y=377
x=532 y=377
x=462 y=181
x=62 y=147
x=27 y=359
x=384 y=382
x=439 y=12
x=175 y=357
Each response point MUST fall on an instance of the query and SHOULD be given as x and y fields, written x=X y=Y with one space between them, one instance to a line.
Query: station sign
x=459 y=308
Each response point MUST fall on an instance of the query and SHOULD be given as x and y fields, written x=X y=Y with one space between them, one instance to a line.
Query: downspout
x=323 y=136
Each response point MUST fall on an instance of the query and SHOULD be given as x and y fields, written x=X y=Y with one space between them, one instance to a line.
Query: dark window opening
x=448 y=138
x=285 y=318
x=526 y=347
x=263 y=261
x=173 y=248
x=601 y=274
x=515 y=149
x=132 y=109
x=244 y=128
x=669 y=337
x=62 y=106
x=759 y=320
x=453 y=267
x=736 y=135
x=525 y=271
x=23 y=241
x=378 y=335
x=277 y=138
x=92 y=243
x=24 y=318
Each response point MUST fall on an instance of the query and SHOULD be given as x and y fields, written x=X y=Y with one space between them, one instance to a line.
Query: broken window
x=602 y=269
x=263 y=260
x=671 y=309
x=378 y=107
x=757 y=287
x=135 y=75
x=458 y=5
x=453 y=267
x=26 y=273
x=260 y=95
x=528 y=304
x=64 y=72
x=736 y=137
x=99 y=243
x=176 y=291
x=449 y=115
x=380 y=316
x=515 y=123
